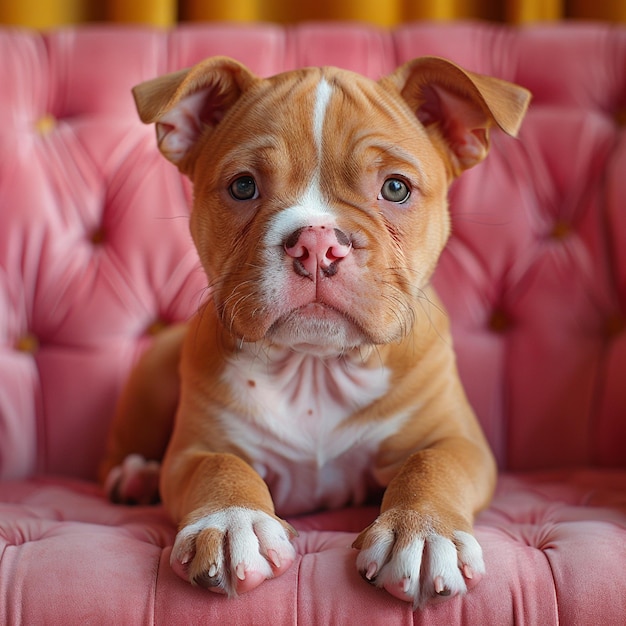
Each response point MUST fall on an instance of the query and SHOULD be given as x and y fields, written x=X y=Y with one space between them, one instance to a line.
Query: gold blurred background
x=45 y=14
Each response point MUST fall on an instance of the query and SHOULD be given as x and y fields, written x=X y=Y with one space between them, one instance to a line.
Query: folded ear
x=184 y=104
x=459 y=107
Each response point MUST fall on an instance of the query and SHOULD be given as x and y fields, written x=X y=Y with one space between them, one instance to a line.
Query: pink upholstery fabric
x=95 y=254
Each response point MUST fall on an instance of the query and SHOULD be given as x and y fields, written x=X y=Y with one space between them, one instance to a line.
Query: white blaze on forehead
x=323 y=94
x=311 y=208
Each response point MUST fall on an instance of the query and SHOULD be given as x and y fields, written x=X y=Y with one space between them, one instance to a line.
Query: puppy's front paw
x=135 y=481
x=233 y=550
x=403 y=553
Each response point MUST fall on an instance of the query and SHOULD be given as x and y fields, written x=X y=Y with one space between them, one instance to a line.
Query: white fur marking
x=322 y=98
x=422 y=565
x=443 y=562
x=311 y=210
x=291 y=425
x=253 y=537
x=470 y=552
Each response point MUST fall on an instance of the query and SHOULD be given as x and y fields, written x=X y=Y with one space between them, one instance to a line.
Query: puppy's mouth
x=317 y=327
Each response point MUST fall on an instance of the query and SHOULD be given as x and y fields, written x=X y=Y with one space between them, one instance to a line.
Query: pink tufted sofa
x=95 y=257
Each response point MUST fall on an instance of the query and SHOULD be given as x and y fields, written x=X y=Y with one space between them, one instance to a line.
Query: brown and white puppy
x=321 y=368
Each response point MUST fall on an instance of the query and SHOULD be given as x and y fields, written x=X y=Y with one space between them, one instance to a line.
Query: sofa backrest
x=95 y=253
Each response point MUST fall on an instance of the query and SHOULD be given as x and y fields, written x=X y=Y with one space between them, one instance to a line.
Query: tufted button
x=561 y=230
x=156 y=327
x=499 y=322
x=45 y=124
x=620 y=117
x=97 y=237
x=614 y=325
x=27 y=343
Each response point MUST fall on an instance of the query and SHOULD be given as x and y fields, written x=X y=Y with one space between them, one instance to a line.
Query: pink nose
x=317 y=249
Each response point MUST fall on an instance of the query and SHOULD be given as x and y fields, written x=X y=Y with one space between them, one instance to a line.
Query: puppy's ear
x=459 y=107
x=184 y=104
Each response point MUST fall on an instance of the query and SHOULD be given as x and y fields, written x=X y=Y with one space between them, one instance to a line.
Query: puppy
x=321 y=368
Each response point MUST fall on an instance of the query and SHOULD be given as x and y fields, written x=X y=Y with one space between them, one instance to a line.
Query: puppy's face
x=320 y=212
x=320 y=196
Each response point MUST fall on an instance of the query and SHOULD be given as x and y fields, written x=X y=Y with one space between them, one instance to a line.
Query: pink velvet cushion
x=95 y=255
x=67 y=554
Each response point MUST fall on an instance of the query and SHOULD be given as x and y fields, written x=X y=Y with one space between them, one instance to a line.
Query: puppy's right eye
x=395 y=190
x=244 y=188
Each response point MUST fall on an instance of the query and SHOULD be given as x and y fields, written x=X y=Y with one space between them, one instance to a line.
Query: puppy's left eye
x=244 y=188
x=395 y=190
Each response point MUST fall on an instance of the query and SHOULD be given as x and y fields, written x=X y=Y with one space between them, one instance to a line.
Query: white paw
x=420 y=566
x=135 y=481
x=233 y=551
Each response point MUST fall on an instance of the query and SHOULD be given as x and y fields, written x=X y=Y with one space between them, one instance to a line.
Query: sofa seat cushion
x=63 y=545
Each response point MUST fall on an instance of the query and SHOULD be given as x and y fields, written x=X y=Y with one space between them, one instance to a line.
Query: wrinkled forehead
x=326 y=95
x=319 y=114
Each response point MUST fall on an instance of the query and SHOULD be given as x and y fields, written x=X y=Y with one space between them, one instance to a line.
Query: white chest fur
x=290 y=418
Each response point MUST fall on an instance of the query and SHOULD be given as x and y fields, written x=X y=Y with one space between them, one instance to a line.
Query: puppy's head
x=320 y=196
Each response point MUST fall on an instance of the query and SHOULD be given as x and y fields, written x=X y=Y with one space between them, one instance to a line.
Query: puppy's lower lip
x=315 y=319
x=317 y=309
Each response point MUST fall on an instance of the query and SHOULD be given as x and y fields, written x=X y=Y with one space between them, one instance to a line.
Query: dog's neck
x=309 y=371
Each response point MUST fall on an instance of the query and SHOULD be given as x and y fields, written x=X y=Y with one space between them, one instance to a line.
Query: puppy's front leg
x=229 y=539
x=421 y=546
